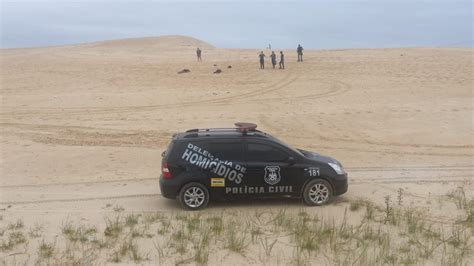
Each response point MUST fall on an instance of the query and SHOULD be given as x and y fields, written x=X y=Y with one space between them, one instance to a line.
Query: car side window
x=230 y=151
x=265 y=153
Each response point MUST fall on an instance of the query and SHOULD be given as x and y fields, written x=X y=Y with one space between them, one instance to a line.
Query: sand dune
x=83 y=126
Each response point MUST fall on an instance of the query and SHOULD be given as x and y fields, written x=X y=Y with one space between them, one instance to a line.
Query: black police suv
x=242 y=162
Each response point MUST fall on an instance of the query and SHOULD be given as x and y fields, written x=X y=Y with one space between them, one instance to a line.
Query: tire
x=193 y=196
x=317 y=192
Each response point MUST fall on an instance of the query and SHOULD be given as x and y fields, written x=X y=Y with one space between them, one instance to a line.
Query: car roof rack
x=239 y=127
x=210 y=129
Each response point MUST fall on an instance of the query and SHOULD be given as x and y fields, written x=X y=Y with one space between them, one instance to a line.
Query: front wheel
x=193 y=196
x=317 y=192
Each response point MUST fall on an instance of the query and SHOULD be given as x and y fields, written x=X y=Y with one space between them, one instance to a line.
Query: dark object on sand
x=215 y=65
x=229 y=66
x=184 y=71
x=218 y=71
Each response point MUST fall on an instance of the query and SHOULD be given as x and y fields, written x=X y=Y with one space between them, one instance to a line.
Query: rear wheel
x=317 y=192
x=194 y=196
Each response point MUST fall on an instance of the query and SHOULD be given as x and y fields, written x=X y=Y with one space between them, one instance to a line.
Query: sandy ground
x=83 y=126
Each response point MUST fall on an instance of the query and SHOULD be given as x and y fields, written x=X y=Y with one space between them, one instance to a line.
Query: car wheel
x=317 y=192
x=194 y=196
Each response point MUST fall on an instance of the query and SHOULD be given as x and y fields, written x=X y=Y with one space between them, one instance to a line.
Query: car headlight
x=338 y=168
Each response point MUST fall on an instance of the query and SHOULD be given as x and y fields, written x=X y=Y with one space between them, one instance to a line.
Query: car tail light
x=165 y=171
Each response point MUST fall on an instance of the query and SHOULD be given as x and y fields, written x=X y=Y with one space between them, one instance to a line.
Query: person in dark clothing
x=198 y=53
x=274 y=59
x=282 y=60
x=299 y=50
x=262 y=60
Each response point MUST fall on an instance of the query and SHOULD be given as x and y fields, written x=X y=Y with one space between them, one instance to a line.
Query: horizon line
x=463 y=44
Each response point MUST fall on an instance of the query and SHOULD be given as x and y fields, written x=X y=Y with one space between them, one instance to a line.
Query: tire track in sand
x=51 y=112
x=86 y=136
x=352 y=169
x=336 y=88
x=411 y=168
x=413 y=179
x=80 y=183
x=81 y=199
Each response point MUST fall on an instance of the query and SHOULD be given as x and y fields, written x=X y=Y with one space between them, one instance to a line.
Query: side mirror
x=291 y=160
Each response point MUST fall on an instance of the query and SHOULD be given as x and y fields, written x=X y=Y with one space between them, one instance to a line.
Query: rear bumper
x=169 y=188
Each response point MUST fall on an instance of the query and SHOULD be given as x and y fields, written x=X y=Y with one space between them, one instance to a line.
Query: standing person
x=299 y=50
x=262 y=60
x=198 y=53
x=274 y=59
x=282 y=60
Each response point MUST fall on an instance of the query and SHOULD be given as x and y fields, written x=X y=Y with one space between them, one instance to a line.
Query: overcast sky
x=243 y=24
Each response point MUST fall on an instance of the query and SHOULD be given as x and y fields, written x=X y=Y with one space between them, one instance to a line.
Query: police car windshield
x=286 y=145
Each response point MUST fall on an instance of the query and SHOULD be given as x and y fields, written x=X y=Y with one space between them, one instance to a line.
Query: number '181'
x=313 y=172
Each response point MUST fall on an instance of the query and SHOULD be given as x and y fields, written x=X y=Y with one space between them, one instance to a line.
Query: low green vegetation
x=458 y=196
x=36 y=231
x=16 y=225
x=13 y=239
x=45 y=250
x=363 y=234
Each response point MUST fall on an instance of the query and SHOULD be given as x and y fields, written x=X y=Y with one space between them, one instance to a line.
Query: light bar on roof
x=244 y=127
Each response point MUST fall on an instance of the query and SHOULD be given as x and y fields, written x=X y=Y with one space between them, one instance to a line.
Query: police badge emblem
x=272 y=175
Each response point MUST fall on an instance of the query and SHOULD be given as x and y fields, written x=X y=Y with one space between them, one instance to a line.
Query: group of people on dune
x=261 y=55
x=299 y=51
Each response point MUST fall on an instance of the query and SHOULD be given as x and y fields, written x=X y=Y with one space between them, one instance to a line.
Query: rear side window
x=179 y=148
x=230 y=151
x=265 y=153
x=167 y=152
